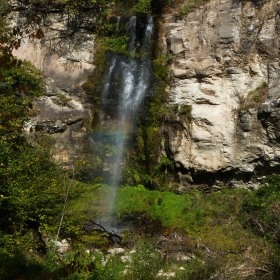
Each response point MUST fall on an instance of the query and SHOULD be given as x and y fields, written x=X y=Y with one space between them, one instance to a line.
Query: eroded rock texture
x=221 y=52
x=65 y=56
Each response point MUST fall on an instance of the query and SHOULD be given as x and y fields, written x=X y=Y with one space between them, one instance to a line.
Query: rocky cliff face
x=226 y=66
x=65 y=57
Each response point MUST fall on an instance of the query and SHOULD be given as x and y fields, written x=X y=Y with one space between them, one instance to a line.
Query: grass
x=231 y=229
x=218 y=229
x=189 y=212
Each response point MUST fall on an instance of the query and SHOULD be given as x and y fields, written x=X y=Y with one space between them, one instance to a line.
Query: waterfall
x=125 y=86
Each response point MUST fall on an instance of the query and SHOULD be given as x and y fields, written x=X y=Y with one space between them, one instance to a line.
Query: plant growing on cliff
x=144 y=165
x=18 y=85
x=254 y=97
x=187 y=112
x=188 y=6
x=143 y=7
x=118 y=44
x=3 y=13
x=161 y=67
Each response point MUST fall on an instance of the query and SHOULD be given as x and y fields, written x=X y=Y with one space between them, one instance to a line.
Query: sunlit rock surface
x=220 y=52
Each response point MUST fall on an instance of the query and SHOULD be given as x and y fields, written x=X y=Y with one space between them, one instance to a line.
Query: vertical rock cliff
x=226 y=67
x=224 y=86
x=66 y=57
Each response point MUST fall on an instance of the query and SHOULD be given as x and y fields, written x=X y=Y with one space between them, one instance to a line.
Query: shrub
x=143 y=7
x=262 y=209
x=198 y=269
x=255 y=97
x=145 y=263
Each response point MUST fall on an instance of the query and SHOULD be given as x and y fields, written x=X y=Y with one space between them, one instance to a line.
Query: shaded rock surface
x=65 y=57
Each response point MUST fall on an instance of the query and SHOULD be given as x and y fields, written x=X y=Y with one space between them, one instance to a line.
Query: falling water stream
x=127 y=82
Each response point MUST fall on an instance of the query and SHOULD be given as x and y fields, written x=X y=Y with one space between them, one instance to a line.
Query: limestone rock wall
x=220 y=52
x=65 y=57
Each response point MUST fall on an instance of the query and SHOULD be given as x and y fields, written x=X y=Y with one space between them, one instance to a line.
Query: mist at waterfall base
x=127 y=82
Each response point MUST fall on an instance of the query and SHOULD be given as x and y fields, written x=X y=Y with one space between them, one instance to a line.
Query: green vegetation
x=93 y=85
x=230 y=234
x=3 y=14
x=145 y=165
x=187 y=111
x=143 y=7
x=18 y=85
x=254 y=97
x=188 y=6
x=24 y=78
x=262 y=208
x=33 y=188
x=119 y=6
x=146 y=262
x=231 y=224
x=189 y=212
x=119 y=44
x=161 y=67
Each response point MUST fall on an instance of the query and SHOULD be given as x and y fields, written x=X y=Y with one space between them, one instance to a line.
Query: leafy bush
x=23 y=79
x=119 y=44
x=18 y=86
x=110 y=268
x=197 y=269
x=161 y=67
x=262 y=209
x=143 y=7
x=32 y=186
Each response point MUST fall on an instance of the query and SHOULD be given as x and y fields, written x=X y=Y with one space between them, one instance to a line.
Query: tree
x=31 y=189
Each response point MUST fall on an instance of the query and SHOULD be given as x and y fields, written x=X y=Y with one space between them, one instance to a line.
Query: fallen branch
x=112 y=236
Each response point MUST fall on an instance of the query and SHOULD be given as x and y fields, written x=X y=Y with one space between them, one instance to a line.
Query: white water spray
x=131 y=77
